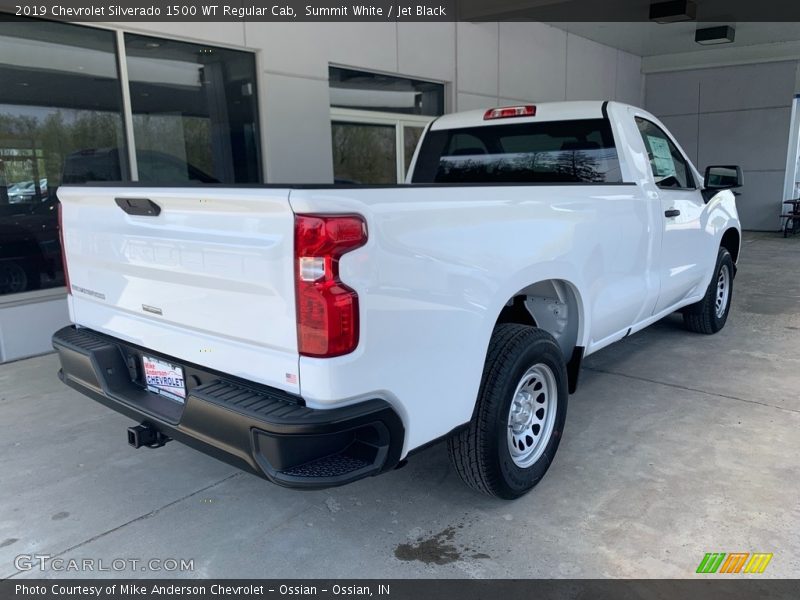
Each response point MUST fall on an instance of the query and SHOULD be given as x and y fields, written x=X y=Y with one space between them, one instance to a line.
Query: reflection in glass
x=386 y=93
x=364 y=153
x=60 y=103
x=564 y=166
x=194 y=112
x=579 y=151
x=669 y=167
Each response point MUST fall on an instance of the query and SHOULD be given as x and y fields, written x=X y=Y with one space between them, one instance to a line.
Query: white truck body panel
x=217 y=264
x=430 y=295
x=440 y=263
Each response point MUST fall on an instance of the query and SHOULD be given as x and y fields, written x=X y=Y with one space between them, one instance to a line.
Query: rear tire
x=710 y=314
x=519 y=416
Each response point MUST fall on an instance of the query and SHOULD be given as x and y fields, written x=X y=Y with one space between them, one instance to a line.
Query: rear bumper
x=259 y=429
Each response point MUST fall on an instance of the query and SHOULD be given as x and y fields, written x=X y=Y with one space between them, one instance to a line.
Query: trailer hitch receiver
x=146 y=435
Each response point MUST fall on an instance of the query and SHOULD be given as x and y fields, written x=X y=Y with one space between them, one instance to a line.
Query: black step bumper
x=259 y=429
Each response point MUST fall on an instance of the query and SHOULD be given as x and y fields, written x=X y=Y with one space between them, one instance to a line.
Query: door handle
x=140 y=207
x=672 y=212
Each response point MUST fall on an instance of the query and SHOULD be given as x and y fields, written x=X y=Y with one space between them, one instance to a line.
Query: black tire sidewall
x=723 y=259
x=514 y=480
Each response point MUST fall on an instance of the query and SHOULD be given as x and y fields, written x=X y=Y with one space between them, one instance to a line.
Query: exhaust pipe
x=146 y=435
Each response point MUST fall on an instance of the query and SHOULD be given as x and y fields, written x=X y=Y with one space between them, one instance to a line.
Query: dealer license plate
x=164 y=378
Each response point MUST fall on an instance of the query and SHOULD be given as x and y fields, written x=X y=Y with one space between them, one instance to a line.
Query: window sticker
x=663 y=165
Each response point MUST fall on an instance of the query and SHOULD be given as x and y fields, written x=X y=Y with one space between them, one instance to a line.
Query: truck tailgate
x=208 y=280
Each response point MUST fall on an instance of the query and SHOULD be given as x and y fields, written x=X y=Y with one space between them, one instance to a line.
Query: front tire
x=519 y=416
x=710 y=314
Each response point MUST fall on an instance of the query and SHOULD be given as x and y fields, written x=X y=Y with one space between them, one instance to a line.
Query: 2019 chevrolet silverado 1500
x=315 y=335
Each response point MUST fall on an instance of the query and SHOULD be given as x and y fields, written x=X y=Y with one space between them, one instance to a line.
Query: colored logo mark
x=734 y=562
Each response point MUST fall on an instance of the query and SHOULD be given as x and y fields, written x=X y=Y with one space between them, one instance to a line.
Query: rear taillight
x=327 y=310
x=504 y=112
x=63 y=249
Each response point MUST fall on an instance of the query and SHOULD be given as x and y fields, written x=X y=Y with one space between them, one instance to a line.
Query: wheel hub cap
x=521 y=412
x=531 y=416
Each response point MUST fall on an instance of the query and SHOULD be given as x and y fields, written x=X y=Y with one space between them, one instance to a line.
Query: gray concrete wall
x=512 y=62
x=26 y=326
x=735 y=115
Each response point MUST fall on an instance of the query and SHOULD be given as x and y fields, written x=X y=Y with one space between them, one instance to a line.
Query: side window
x=670 y=169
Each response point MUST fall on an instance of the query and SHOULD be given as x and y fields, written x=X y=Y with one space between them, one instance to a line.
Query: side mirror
x=723 y=178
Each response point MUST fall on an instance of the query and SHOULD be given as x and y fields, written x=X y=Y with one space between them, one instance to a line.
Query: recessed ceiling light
x=724 y=34
x=673 y=11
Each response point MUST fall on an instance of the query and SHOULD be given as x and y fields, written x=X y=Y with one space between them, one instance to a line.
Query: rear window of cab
x=578 y=151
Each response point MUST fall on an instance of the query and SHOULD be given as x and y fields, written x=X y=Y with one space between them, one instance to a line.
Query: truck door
x=681 y=265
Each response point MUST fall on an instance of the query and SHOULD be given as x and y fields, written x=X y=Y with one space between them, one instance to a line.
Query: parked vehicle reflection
x=103 y=164
x=30 y=252
x=30 y=255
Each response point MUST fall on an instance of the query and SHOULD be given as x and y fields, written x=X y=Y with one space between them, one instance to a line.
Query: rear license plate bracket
x=164 y=378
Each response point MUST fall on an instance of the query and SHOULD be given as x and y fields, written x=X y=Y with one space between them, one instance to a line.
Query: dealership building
x=258 y=102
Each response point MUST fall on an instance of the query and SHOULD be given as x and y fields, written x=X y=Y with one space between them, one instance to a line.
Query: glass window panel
x=194 y=112
x=60 y=122
x=670 y=168
x=579 y=151
x=364 y=153
x=373 y=91
x=411 y=137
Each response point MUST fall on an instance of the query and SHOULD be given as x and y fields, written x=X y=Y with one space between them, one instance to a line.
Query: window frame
x=122 y=73
x=129 y=159
x=127 y=102
x=397 y=120
x=689 y=175
x=56 y=293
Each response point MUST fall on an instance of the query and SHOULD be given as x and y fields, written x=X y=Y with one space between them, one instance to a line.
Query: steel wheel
x=723 y=291
x=532 y=415
x=523 y=394
x=710 y=314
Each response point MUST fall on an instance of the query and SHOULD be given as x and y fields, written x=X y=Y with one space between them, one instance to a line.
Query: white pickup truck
x=318 y=334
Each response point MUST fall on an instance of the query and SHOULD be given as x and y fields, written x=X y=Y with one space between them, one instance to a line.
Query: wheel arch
x=556 y=306
x=731 y=240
